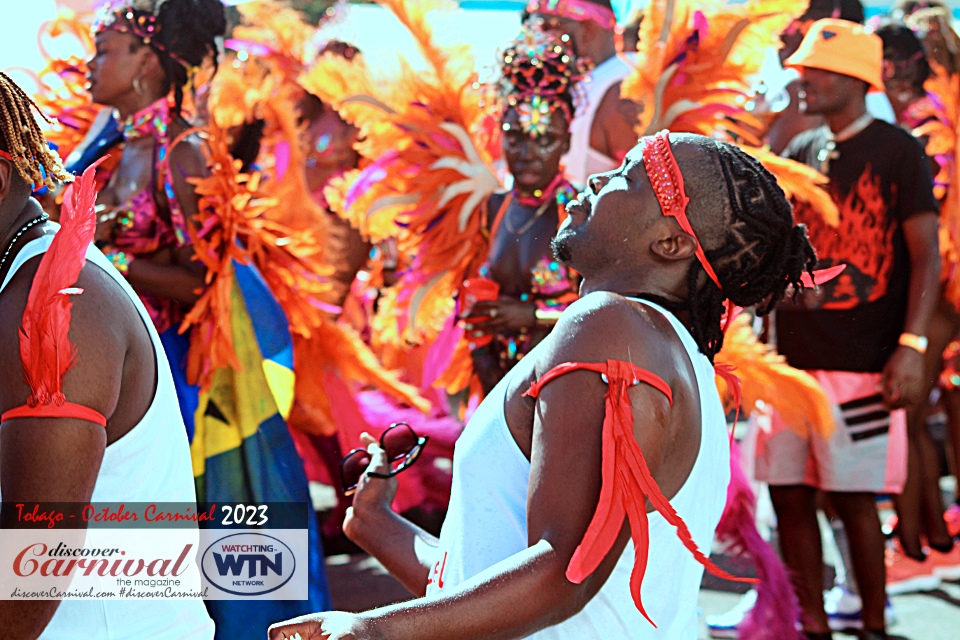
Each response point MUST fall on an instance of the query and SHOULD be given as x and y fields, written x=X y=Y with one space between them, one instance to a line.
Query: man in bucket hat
x=863 y=334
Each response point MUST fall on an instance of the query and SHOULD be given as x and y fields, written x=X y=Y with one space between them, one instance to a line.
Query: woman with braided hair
x=553 y=472
x=103 y=427
x=147 y=51
x=147 y=55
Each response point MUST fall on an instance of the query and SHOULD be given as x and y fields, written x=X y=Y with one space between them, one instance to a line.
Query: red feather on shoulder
x=45 y=349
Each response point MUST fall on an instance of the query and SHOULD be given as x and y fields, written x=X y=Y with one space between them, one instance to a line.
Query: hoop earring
x=138 y=86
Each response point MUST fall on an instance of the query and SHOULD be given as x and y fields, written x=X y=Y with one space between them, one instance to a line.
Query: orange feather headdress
x=427 y=176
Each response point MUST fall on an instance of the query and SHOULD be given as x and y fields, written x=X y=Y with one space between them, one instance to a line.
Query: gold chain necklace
x=529 y=223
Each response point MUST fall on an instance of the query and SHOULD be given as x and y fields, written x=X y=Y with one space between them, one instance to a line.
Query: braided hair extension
x=188 y=30
x=759 y=255
x=23 y=139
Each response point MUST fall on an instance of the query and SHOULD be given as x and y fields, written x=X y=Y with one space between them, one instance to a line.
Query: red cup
x=475 y=290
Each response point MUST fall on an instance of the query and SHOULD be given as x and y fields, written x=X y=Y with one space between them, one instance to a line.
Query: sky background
x=486 y=24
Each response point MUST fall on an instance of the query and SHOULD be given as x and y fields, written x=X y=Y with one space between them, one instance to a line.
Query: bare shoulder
x=606 y=326
x=101 y=327
x=187 y=157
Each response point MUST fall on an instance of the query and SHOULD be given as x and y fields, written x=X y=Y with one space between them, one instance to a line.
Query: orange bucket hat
x=842 y=47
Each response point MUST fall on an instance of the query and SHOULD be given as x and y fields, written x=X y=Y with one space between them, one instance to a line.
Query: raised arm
x=55 y=459
x=404 y=549
x=564 y=487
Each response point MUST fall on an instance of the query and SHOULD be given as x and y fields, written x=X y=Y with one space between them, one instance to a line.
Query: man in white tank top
x=603 y=130
x=534 y=471
x=119 y=375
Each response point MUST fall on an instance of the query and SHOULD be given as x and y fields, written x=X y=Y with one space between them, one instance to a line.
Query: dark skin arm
x=58 y=459
x=613 y=131
x=177 y=276
x=903 y=373
x=564 y=487
x=404 y=549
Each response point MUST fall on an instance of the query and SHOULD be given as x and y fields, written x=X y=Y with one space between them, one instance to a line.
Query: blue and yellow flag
x=241 y=448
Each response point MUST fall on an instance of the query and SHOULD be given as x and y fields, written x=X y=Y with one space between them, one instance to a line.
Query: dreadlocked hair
x=188 y=30
x=23 y=139
x=760 y=253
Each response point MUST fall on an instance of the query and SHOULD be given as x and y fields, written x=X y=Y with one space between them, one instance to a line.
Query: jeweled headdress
x=539 y=75
x=138 y=17
x=579 y=10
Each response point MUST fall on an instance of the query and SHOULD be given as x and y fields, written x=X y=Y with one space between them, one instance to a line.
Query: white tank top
x=582 y=160
x=486 y=522
x=150 y=463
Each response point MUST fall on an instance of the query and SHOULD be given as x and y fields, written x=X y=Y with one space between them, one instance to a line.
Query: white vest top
x=487 y=521
x=151 y=463
x=582 y=160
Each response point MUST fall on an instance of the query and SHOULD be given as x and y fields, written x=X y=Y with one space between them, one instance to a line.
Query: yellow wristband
x=913 y=341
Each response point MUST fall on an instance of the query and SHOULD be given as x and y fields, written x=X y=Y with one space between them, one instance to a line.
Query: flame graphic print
x=863 y=241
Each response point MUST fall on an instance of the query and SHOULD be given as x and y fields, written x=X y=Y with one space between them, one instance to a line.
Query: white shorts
x=866 y=451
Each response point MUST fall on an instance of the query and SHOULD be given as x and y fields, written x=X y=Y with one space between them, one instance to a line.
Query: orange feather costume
x=276 y=44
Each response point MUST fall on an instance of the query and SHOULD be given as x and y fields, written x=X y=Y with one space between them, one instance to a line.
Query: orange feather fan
x=427 y=177
x=232 y=225
x=942 y=132
x=62 y=83
x=45 y=349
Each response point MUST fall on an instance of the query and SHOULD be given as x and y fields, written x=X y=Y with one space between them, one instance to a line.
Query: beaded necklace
x=38 y=220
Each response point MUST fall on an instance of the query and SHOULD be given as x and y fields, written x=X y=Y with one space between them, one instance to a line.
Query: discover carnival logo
x=248 y=564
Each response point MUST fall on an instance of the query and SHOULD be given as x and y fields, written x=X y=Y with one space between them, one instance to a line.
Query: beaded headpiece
x=579 y=10
x=137 y=17
x=539 y=75
x=667 y=182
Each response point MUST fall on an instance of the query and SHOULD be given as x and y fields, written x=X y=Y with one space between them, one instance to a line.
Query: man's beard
x=561 y=249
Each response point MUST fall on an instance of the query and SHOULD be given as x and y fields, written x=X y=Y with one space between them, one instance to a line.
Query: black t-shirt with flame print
x=880 y=178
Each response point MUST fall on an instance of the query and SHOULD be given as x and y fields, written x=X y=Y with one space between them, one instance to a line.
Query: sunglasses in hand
x=402 y=446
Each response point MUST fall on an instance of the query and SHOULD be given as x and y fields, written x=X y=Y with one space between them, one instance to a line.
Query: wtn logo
x=233 y=564
x=248 y=564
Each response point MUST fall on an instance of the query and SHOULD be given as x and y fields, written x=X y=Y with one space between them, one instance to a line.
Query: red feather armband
x=627 y=481
x=45 y=349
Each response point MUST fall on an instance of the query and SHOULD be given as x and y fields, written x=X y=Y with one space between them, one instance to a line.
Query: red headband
x=579 y=10
x=667 y=182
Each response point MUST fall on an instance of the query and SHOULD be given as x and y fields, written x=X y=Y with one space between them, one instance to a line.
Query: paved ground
x=358 y=582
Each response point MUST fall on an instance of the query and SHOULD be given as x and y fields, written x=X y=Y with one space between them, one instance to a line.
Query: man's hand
x=495 y=316
x=374 y=495
x=332 y=625
x=903 y=379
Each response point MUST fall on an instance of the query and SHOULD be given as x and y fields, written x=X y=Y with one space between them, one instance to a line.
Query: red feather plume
x=45 y=349
x=627 y=482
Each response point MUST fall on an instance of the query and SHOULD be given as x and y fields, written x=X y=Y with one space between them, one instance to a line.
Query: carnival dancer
x=102 y=426
x=602 y=132
x=864 y=334
x=171 y=232
x=920 y=507
x=537 y=90
x=634 y=237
